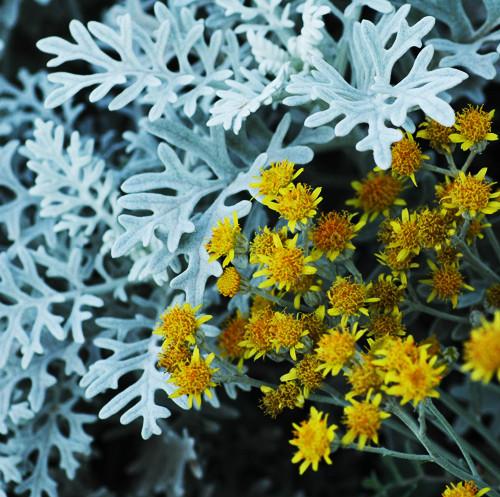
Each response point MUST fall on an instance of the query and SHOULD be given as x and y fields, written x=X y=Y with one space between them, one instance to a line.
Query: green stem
x=451 y=163
x=392 y=453
x=476 y=263
x=416 y=306
x=436 y=169
x=490 y=234
x=469 y=160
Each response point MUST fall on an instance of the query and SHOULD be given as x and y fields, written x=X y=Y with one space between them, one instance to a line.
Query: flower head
x=306 y=374
x=407 y=157
x=314 y=322
x=173 y=355
x=229 y=282
x=390 y=257
x=336 y=347
x=178 y=324
x=231 y=336
x=313 y=439
x=464 y=489
x=297 y=203
x=287 y=332
x=258 y=338
x=434 y=229
x=437 y=134
x=482 y=351
x=286 y=265
x=447 y=283
x=376 y=194
x=333 y=233
x=364 y=376
x=471 y=194
x=404 y=236
x=278 y=176
x=389 y=291
x=363 y=419
x=194 y=378
x=263 y=244
x=381 y=325
x=224 y=240
x=276 y=400
x=393 y=352
x=474 y=126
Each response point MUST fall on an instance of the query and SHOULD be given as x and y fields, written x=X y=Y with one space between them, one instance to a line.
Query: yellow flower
x=448 y=256
x=415 y=381
x=333 y=233
x=179 y=323
x=194 y=378
x=394 y=353
x=434 y=229
x=437 y=134
x=482 y=351
x=493 y=296
x=263 y=244
x=306 y=286
x=287 y=332
x=336 y=348
x=279 y=175
x=314 y=322
x=447 y=283
x=464 y=489
x=231 y=336
x=276 y=400
x=389 y=291
x=407 y=158
x=306 y=373
x=258 y=339
x=285 y=266
x=363 y=420
x=471 y=194
x=376 y=194
x=399 y=267
x=296 y=204
x=364 y=376
x=229 y=282
x=474 y=126
x=381 y=325
x=313 y=439
x=224 y=240
x=404 y=236
x=173 y=355
x=475 y=229
x=348 y=298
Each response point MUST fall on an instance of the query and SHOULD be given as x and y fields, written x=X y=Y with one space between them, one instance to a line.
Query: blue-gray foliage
x=105 y=207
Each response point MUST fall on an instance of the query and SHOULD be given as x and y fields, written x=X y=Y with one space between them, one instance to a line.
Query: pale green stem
x=451 y=163
x=492 y=239
x=416 y=306
x=476 y=263
x=436 y=169
x=392 y=453
x=469 y=160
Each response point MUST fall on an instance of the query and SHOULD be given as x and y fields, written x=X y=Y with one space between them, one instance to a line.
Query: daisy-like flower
x=348 y=298
x=464 y=489
x=297 y=204
x=194 y=378
x=287 y=332
x=336 y=348
x=381 y=325
x=231 y=336
x=178 y=324
x=482 y=351
x=474 y=127
x=263 y=244
x=475 y=230
x=407 y=158
x=363 y=419
x=404 y=236
x=471 y=194
x=276 y=400
x=224 y=240
x=313 y=440
x=389 y=291
x=437 y=135
x=259 y=337
x=393 y=353
x=285 y=266
x=416 y=381
x=278 y=176
x=229 y=282
x=173 y=355
x=306 y=374
x=447 y=283
x=364 y=376
x=314 y=322
x=376 y=194
x=434 y=228
x=399 y=267
x=333 y=233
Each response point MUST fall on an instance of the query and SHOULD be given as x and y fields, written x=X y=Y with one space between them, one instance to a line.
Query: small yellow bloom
x=437 y=134
x=333 y=233
x=307 y=286
x=416 y=381
x=276 y=400
x=364 y=376
x=278 y=176
x=471 y=194
x=263 y=244
x=229 y=282
x=399 y=267
x=434 y=228
x=464 y=489
x=314 y=322
x=306 y=373
x=376 y=194
x=259 y=337
x=381 y=325
x=363 y=420
x=474 y=126
x=348 y=298
x=407 y=158
x=482 y=351
x=336 y=348
x=173 y=355
x=297 y=204
x=179 y=323
x=287 y=332
x=231 y=336
x=394 y=353
x=224 y=240
x=447 y=283
x=404 y=236
x=313 y=440
x=194 y=378
x=389 y=291
x=285 y=266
